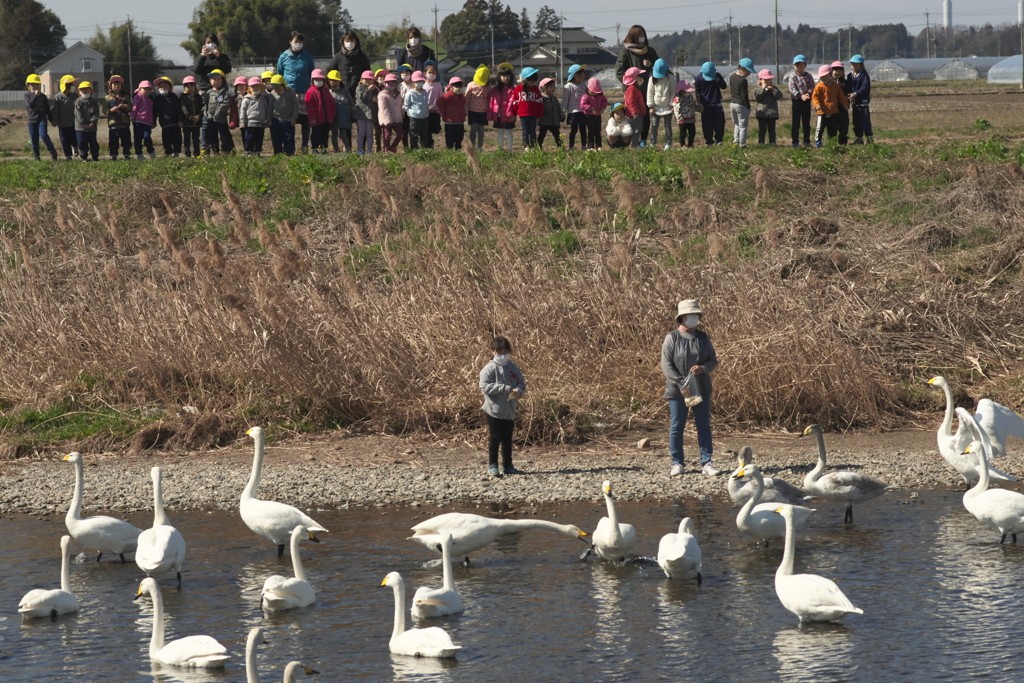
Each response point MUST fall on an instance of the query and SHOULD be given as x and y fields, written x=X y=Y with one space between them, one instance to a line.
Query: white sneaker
x=710 y=470
x=676 y=471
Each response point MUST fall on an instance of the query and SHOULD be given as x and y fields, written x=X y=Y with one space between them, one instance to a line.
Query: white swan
x=201 y=652
x=472 y=532
x=416 y=642
x=438 y=602
x=611 y=539
x=252 y=672
x=161 y=547
x=679 y=553
x=997 y=508
x=998 y=421
x=100 y=533
x=953 y=448
x=762 y=520
x=280 y=593
x=840 y=487
x=50 y=603
x=809 y=596
x=271 y=520
x=775 y=490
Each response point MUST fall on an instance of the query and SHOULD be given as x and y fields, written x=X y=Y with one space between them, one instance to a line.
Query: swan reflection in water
x=169 y=674
x=421 y=668
x=815 y=652
x=606 y=578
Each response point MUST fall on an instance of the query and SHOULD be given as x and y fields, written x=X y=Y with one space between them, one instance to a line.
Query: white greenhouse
x=1006 y=71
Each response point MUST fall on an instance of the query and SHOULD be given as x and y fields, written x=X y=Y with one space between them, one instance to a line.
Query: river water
x=942 y=601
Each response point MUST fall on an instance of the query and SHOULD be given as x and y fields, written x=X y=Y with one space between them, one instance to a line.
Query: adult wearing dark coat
x=210 y=58
x=415 y=53
x=637 y=53
x=350 y=62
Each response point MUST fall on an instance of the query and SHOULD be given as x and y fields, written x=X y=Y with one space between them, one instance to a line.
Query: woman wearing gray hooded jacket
x=502 y=384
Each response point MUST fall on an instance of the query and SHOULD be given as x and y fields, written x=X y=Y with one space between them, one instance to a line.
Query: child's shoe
x=668 y=146
x=493 y=471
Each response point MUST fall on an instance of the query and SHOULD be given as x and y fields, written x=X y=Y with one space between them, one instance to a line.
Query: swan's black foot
x=280 y=550
x=585 y=556
x=848 y=517
x=53 y=615
x=700 y=579
x=1014 y=539
x=98 y=556
x=766 y=542
x=1002 y=539
x=121 y=555
x=465 y=562
x=179 y=580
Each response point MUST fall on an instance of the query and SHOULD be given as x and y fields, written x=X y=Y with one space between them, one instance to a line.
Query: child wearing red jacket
x=528 y=104
x=498 y=107
x=320 y=110
x=452 y=105
x=634 y=101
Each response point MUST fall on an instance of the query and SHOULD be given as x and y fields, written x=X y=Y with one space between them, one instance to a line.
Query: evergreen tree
x=547 y=19
x=30 y=35
x=113 y=45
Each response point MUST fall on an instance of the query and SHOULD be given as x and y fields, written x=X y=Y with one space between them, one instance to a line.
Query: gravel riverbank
x=379 y=471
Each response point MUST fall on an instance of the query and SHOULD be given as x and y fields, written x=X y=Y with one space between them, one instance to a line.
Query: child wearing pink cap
x=551 y=121
x=320 y=111
x=389 y=112
x=117 y=107
x=766 y=111
x=254 y=116
x=143 y=118
x=365 y=112
x=831 y=104
x=417 y=110
x=453 y=109
x=191 y=116
x=685 y=106
x=634 y=101
x=593 y=103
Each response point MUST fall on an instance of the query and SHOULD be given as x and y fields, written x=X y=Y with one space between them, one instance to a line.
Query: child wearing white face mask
x=168 y=114
x=502 y=384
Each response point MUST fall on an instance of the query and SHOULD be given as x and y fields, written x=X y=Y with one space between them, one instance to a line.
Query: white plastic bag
x=690 y=389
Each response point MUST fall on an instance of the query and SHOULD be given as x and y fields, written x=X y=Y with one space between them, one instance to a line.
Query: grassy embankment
x=331 y=292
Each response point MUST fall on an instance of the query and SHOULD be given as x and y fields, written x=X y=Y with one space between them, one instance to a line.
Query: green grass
x=67 y=420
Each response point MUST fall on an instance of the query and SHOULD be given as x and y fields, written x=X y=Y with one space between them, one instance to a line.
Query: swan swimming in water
x=775 y=490
x=199 y=652
x=439 y=602
x=269 y=519
x=51 y=603
x=281 y=593
x=416 y=642
x=842 y=487
x=762 y=520
x=679 y=553
x=100 y=533
x=252 y=672
x=161 y=548
x=612 y=539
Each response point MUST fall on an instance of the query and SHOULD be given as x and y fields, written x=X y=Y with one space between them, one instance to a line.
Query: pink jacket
x=389 y=109
x=142 y=109
x=500 y=105
x=434 y=92
x=593 y=105
x=478 y=97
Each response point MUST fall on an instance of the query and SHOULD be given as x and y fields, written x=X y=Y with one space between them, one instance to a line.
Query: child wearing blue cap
x=572 y=93
x=740 y=104
x=659 y=101
x=709 y=85
x=860 y=98
x=528 y=104
x=801 y=85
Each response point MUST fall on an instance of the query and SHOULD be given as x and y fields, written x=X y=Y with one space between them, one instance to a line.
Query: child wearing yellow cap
x=38 y=113
x=343 y=103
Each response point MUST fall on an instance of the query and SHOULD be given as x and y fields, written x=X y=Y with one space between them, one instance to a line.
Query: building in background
x=79 y=60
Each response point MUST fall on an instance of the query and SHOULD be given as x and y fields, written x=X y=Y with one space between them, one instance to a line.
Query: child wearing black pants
x=502 y=384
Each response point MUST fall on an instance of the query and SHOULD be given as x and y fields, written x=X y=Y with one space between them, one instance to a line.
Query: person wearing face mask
x=62 y=115
x=296 y=65
x=502 y=384
x=415 y=53
x=210 y=58
x=350 y=62
x=168 y=114
x=389 y=113
x=452 y=106
x=87 y=116
x=635 y=103
x=417 y=109
x=688 y=351
x=434 y=89
x=321 y=111
x=637 y=54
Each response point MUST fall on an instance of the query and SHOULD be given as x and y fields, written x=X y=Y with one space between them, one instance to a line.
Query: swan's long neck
x=947 y=420
x=446 y=559
x=399 y=589
x=252 y=672
x=75 y=511
x=786 y=568
x=983 y=477
x=289 y=672
x=813 y=475
x=65 y=566
x=613 y=517
x=257 y=469
x=510 y=525
x=156 y=643
x=159 y=516
x=300 y=573
x=754 y=499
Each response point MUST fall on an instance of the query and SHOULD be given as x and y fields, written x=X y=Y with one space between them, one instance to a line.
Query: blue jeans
x=282 y=136
x=529 y=124
x=702 y=420
x=37 y=131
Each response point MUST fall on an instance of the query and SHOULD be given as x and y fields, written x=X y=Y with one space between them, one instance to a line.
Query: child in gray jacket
x=767 y=113
x=502 y=384
x=255 y=112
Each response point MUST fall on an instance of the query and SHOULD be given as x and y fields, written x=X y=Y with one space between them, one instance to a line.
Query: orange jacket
x=828 y=98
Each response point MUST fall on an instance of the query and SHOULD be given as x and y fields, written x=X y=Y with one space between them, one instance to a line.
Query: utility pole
x=333 y=44
x=492 y=44
x=437 y=41
x=561 y=51
x=839 y=45
x=739 y=43
x=728 y=27
x=709 y=42
x=128 y=25
x=1022 y=55
x=927 y=35
x=778 y=74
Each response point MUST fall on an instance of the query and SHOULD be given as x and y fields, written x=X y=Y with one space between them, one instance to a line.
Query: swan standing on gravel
x=997 y=508
x=161 y=547
x=271 y=520
x=998 y=421
x=280 y=593
x=809 y=596
x=439 y=602
x=611 y=539
x=679 y=553
x=100 y=533
x=952 y=447
x=198 y=652
x=252 y=672
x=840 y=487
x=762 y=520
x=416 y=642
x=472 y=532
x=775 y=490
x=50 y=603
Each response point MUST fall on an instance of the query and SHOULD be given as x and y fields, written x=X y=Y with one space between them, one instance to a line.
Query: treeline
x=879 y=41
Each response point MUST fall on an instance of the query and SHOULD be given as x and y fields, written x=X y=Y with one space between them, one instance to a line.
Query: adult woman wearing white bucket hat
x=688 y=350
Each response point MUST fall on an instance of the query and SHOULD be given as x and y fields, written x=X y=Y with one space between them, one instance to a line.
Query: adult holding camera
x=210 y=58
x=688 y=358
x=350 y=62
x=296 y=65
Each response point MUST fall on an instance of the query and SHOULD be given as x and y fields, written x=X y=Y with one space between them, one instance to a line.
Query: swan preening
x=611 y=539
x=997 y=421
x=51 y=603
x=100 y=533
x=762 y=520
x=809 y=596
x=271 y=520
x=775 y=490
x=997 y=508
x=679 y=553
x=280 y=593
x=953 y=447
x=252 y=672
x=472 y=532
x=840 y=487
x=439 y=602
x=161 y=548
x=416 y=642
x=201 y=652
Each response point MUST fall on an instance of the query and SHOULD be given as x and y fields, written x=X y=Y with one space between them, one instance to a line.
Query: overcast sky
x=167 y=22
